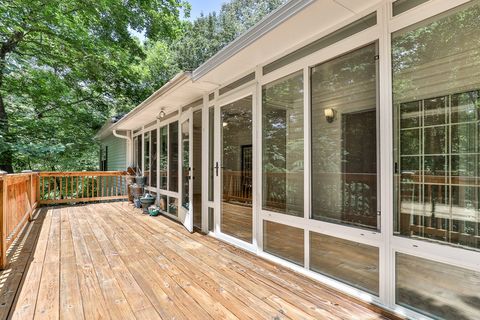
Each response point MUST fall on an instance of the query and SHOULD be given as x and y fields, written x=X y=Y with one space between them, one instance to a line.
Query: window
x=137 y=152
x=163 y=159
x=211 y=158
x=283 y=145
x=103 y=158
x=146 y=157
x=284 y=241
x=437 y=289
x=436 y=96
x=153 y=162
x=173 y=158
x=351 y=262
x=344 y=139
x=186 y=170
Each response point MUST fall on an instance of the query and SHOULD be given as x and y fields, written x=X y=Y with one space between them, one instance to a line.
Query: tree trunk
x=6 y=155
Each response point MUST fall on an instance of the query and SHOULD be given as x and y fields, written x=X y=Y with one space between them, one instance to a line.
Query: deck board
x=109 y=261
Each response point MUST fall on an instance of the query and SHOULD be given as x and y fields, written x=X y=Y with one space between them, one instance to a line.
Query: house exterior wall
x=116 y=152
x=421 y=248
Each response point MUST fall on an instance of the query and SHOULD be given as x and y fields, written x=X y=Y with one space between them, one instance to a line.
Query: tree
x=64 y=66
x=209 y=34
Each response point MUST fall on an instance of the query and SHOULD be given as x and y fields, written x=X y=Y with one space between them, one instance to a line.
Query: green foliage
x=202 y=38
x=65 y=66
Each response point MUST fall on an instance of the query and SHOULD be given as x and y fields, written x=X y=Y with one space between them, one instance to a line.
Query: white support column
x=387 y=267
x=257 y=231
x=205 y=162
x=217 y=196
x=307 y=172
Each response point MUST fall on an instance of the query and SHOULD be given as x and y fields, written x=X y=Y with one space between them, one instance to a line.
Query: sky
x=205 y=6
x=198 y=6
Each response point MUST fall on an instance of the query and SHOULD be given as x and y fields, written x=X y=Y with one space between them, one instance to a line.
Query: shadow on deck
x=108 y=261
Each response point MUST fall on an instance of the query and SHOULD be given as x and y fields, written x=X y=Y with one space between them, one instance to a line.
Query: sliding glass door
x=185 y=213
x=237 y=164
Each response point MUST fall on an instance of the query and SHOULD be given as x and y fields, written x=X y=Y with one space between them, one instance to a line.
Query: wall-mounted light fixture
x=225 y=124
x=161 y=114
x=329 y=114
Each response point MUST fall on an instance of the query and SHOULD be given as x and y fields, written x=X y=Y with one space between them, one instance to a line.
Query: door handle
x=216 y=168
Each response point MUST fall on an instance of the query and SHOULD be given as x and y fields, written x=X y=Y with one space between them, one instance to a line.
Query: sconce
x=161 y=114
x=329 y=114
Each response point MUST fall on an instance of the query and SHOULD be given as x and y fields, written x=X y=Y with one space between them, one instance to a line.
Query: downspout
x=129 y=146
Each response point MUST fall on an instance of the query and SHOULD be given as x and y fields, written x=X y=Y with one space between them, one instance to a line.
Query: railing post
x=3 y=221
x=29 y=193
x=37 y=177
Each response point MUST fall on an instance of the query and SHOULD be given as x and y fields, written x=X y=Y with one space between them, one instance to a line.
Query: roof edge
x=179 y=78
x=268 y=23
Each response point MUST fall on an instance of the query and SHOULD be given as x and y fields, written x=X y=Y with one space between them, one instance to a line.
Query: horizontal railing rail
x=81 y=186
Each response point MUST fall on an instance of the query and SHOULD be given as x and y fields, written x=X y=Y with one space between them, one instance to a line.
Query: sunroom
x=340 y=139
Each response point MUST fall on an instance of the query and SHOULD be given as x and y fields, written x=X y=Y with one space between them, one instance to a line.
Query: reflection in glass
x=436 y=82
x=163 y=203
x=173 y=156
x=138 y=152
x=237 y=162
x=173 y=206
x=351 y=262
x=284 y=241
x=436 y=289
x=163 y=159
x=153 y=162
x=185 y=134
x=211 y=159
x=283 y=145
x=344 y=139
x=211 y=224
x=197 y=168
x=146 y=157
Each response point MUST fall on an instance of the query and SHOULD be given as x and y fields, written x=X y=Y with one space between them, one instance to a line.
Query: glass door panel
x=236 y=204
x=186 y=164
x=197 y=169
x=185 y=213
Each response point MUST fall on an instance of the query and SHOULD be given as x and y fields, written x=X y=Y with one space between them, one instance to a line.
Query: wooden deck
x=108 y=261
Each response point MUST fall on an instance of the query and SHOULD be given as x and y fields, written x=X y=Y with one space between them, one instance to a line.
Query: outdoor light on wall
x=329 y=114
x=225 y=124
x=161 y=114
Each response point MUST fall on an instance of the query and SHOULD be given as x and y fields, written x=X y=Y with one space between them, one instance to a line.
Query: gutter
x=129 y=140
x=129 y=145
x=265 y=25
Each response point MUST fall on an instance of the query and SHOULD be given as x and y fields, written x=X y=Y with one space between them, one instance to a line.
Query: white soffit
x=306 y=24
x=182 y=94
x=291 y=25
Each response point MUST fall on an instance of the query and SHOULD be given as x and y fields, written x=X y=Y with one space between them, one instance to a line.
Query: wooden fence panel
x=18 y=200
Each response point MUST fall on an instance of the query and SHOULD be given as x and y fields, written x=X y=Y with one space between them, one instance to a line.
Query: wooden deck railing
x=18 y=200
x=20 y=194
x=64 y=187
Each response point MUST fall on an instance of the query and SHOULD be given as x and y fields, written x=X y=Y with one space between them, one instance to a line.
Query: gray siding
x=117 y=148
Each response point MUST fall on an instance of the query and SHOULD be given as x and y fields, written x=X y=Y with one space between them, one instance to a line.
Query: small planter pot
x=153 y=212
x=147 y=200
